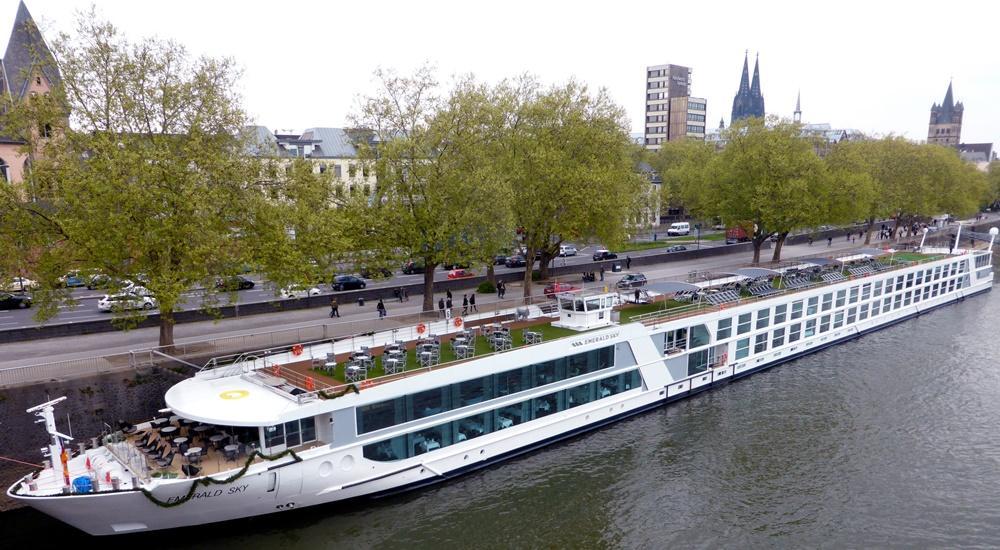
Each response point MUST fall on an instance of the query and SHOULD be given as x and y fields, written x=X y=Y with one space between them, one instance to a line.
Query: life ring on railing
x=421 y=328
x=276 y=370
x=297 y=349
x=365 y=384
x=458 y=322
x=310 y=385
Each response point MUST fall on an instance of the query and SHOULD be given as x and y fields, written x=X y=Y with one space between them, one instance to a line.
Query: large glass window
x=779 y=313
x=384 y=414
x=699 y=336
x=863 y=312
x=763 y=318
x=724 y=330
x=450 y=433
x=909 y=280
x=742 y=348
x=675 y=340
x=744 y=324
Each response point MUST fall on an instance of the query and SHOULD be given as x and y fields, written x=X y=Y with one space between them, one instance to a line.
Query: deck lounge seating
x=797 y=281
x=833 y=277
x=722 y=297
x=762 y=289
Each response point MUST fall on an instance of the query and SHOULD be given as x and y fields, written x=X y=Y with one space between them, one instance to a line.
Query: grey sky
x=875 y=66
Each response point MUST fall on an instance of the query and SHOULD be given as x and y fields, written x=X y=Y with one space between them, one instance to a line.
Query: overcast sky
x=875 y=66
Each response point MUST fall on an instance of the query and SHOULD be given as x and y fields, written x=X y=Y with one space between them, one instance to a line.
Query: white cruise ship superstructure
x=278 y=430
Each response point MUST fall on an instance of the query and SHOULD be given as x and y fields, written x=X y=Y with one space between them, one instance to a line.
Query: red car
x=460 y=273
x=552 y=289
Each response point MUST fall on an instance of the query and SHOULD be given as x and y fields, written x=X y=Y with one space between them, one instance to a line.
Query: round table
x=180 y=440
x=168 y=430
x=201 y=429
x=157 y=422
x=231 y=448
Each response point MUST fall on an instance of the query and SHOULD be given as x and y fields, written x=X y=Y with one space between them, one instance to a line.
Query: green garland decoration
x=209 y=481
x=341 y=393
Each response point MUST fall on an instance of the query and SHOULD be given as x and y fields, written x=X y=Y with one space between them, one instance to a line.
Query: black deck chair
x=164 y=462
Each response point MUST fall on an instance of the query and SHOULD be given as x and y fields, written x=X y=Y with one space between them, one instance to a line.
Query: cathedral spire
x=797 y=117
x=949 y=101
x=745 y=80
x=755 y=87
x=748 y=101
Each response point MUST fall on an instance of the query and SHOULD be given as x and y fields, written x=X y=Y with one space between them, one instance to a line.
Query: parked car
x=235 y=282
x=631 y=280
x=20 y=284
x=552 y=289
x=604 y=254
x=411 y=267
x=516 y=260
x=347 y=282
x=102 y=281
x=677 y=248
x=460 y=273
x=11 y=301
x=135 y=297
x=500 y=259
x=73 y=279
x=298 y=291
x=567 y=250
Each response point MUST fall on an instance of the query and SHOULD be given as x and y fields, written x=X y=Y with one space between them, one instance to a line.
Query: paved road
x=85 y=308
x=58 y=349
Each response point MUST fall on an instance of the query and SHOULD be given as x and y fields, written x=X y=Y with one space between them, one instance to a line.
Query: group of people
x=445 y=306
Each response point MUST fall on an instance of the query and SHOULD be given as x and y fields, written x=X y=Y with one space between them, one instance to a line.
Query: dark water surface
x=885 y=441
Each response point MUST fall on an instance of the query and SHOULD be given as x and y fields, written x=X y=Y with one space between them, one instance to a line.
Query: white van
x=679 y=228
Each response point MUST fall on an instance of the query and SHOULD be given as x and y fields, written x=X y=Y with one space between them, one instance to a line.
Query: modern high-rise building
x=663 y=82
x=749 y=102
x=946 y=121
x=687 y=118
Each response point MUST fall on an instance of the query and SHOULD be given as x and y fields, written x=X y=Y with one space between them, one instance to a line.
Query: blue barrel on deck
x=83 y=484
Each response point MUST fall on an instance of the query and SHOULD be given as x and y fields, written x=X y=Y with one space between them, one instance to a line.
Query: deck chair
x=190 y=470
x=167 y=461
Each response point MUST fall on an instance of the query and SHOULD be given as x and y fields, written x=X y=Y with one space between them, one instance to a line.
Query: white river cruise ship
x=325 y=421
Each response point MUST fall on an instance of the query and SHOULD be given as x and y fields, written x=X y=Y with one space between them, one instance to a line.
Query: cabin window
x=854 y=295
x=428 y=403
x=875 y=308
x=760 y=343
x=274 y=435
x=812 y=306
x=909 y=280
x=927 y=292
x=898 y=302
x=797 y=309
x=877 y=289
x=863 y=312
x=744 y=324
x=899 y=283
x=887 y=304
x=676 y=340
x=852 y=315
x=698 y=336
x=838 y=319
x=793 y=332
x=841 y=296
x=916 y=295
x=907 y=297
x=828 y=301
x=810 y=328
x=824 y=323
x=919 y=279
x=763 y=318
x=779 y=313
x=742 y=348
x=937 y=273
x=866 y=291
x=470 y=427
x=724 y=330
x=778 y=337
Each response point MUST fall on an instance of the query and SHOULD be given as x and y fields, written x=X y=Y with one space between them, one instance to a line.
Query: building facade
x=26 y=70
x=748 y=102
x=329 y=150
x=687 y=118
x=663 y=82
x=945 y=126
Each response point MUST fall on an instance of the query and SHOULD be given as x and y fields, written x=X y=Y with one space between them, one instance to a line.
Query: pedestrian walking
x=637 y=295
x=397 y=294
x=465 y=304
x=441 y=307
x=499 y=290
x=334 y=308
x=447 y=308
x=381 y=308
x=472 y=302
x=628 y=262
x=602 y=272
x=448 y=295
x=829 y=241
x=810 y=240
x=406 y=295
x=502 y=287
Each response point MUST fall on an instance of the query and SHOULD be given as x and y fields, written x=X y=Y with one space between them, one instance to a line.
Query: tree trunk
x=544 y=264
x=777 y=246
x=529 y=260
x=429 y=286
x=868 y=234
x=491 y=275
x=756 y=250
x=166 y=327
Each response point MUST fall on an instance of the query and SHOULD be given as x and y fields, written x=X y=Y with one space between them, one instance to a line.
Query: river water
x=885 y=441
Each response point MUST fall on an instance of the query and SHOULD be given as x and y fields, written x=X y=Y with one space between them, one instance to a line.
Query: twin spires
x=749 y=102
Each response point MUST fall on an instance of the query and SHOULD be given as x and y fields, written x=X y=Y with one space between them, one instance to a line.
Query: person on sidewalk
x=334 y=308
x=447 y=308
x=441 y=307
x=637 y=293
x=829 y=241
x=602 y=272
x=465 y=304
x=472 y=302
x=628 y=262
x=448 y=295
x=381 y=309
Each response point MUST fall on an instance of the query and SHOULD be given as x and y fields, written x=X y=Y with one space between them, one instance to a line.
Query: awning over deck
x=755 y=272
x=672 y=287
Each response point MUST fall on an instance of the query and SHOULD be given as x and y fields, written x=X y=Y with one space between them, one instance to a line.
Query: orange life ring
x=421 y=328
x=277 y=370
x=366 y=384
x=297 y=349
x=309 y=383
x=458 y=322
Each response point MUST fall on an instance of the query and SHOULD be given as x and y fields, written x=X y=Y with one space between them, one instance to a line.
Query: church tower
x=797 y=116
x=749 y=102
x=946 y=121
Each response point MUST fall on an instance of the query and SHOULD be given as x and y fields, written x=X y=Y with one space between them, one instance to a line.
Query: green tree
x=149 y=179
x=569 y=163
x=434 y=173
